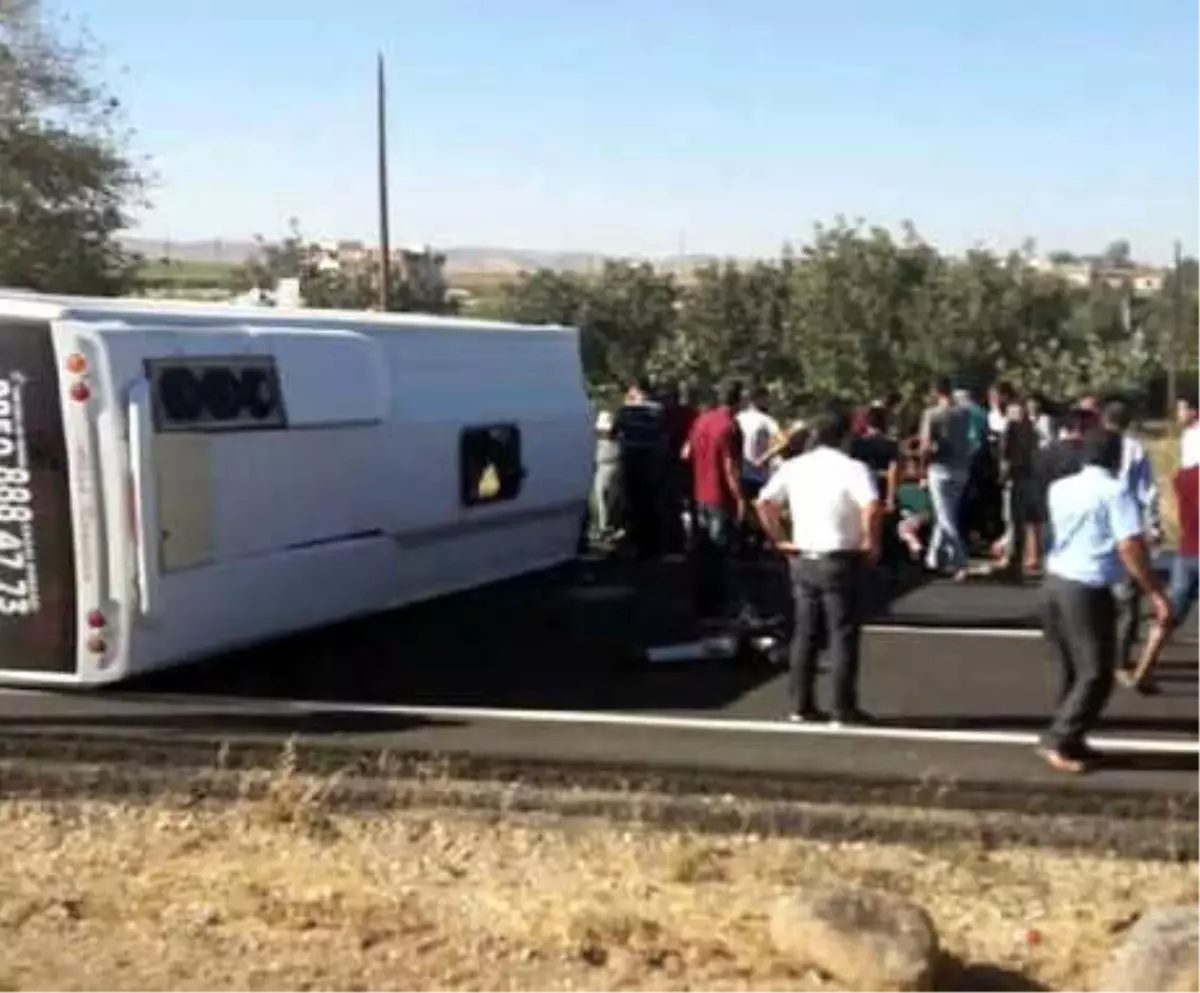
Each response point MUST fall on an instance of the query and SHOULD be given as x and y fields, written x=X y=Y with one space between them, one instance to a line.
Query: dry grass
x=282 y=893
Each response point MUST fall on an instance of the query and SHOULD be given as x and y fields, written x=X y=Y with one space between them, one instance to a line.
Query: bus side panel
x=37 y=562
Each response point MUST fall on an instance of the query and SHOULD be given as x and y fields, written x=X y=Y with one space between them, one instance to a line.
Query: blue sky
x=630 y=125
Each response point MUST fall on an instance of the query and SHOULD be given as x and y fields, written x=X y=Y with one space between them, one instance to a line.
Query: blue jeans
x=1183 y=585
x=946 y=488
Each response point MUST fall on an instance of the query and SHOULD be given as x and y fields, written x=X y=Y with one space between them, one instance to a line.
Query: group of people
x=1073 y=497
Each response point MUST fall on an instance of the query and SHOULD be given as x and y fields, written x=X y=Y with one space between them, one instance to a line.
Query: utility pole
x=1175 y=336
x=385 y=252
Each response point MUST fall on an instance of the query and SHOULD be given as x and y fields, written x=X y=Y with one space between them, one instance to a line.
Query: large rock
x=1159 y=953
x=865 y=939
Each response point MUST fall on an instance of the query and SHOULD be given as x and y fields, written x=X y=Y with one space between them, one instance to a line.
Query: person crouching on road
x=714 y=448
x=835 y=514
x=1097 y=526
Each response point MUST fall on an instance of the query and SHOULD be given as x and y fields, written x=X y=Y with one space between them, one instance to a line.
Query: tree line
x=856 y=312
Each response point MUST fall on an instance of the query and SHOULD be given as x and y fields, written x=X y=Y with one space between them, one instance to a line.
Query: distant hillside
x=465 y=259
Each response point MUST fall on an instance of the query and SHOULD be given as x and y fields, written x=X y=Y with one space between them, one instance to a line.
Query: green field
x=178 y=272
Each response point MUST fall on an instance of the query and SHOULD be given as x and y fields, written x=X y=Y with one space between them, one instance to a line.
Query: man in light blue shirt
x=1098 y=540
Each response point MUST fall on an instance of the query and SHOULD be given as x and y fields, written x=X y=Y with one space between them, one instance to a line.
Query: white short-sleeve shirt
x=758 y=430
x=1189 y=447
x=825 y=491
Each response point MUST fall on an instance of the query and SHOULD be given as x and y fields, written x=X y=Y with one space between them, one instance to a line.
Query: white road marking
x=970 y=632
x=727 y=725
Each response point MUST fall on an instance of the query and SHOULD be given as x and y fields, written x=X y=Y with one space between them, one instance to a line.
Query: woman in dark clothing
x=880 y=453
x=1018 y=471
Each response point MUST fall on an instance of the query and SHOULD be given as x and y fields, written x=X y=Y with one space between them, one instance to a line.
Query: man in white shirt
x=1189 y=423
x=999 y=397
x=835 y=516
x=758 y=429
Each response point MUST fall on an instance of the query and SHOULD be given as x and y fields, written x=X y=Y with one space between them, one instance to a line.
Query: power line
x=1176 y=334
x=385 y=252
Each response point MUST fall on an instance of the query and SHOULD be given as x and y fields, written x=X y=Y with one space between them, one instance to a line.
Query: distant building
x=1142 y=280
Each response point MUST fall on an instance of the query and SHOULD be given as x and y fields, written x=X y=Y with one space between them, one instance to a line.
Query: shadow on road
x=562 y=642
x=1133 y=762
x=568 y=641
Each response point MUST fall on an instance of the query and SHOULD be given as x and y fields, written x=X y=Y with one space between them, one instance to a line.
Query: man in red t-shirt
x=1182 y=589
x=714 y=448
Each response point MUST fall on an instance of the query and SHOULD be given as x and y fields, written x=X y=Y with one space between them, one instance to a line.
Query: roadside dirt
x=281 y=894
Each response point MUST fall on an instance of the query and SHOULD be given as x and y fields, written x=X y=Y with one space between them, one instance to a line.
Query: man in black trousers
x=834 y=508
x=1098 y=540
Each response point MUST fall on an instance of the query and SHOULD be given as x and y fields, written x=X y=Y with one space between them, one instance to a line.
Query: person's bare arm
x=1135 y=556
x=776 y=447
x=769 y=509
x=893 y=482
x=872 y=517
x=925 y=437
x=864 y=493
x=1125 y=518
x=770 y=516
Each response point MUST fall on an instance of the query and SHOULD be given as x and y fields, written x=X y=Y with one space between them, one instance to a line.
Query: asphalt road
x=957 y=676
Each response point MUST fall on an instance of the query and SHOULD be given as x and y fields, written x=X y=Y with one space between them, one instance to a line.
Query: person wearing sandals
x=1098 y=539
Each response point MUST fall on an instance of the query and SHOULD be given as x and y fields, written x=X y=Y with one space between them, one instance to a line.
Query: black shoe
x=1147 y=687
x=852 y=718
x=809 y=715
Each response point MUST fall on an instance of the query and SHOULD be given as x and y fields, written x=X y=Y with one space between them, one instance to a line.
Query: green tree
x=67 y=182
x=623 y=315
x=732 y=323
x=855 y=313
x=1118 y=253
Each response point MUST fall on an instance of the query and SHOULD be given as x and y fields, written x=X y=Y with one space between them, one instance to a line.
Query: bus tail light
x=96 y=620
x=80 y=392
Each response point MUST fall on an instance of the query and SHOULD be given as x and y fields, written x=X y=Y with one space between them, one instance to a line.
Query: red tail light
x=80 y=392
x=96 y=620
